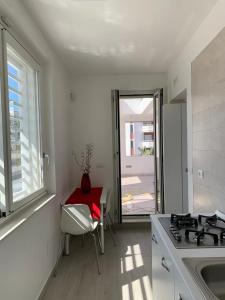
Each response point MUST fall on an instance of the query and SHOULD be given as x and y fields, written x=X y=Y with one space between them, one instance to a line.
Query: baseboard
x=51 y=274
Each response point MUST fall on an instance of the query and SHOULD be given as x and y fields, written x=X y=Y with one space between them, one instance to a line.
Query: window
x=148 y=137
x=23 y=170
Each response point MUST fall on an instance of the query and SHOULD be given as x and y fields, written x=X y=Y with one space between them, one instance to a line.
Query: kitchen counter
x=176 y=256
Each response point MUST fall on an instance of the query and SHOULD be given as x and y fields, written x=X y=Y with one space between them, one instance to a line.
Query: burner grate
x=200 y=235
x=183 y=220
x=213 y=221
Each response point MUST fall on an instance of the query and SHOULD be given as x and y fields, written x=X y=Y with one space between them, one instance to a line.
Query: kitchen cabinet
x=180 y=290
x=162 y=270
x=167 y=284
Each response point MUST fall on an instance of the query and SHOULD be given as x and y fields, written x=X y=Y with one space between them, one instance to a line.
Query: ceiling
x=136 y=106
x=118 y=36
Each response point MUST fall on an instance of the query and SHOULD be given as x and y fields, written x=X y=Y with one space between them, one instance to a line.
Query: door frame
x=116 y=94
x=159 y=94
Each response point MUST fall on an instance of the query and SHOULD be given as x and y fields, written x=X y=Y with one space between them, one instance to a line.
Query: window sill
x=13 y=221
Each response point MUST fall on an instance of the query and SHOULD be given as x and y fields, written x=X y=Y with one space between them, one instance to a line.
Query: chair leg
x=111 y=232
x=96 y=252
x=67 y=244
x=99 y=241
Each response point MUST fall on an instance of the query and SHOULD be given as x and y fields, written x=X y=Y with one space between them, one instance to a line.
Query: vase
x=85 y=183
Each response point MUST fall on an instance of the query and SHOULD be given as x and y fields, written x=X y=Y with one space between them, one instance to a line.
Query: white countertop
x=178 y=254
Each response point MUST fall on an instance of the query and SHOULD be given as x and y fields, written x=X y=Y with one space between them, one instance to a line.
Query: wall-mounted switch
x=200 y=174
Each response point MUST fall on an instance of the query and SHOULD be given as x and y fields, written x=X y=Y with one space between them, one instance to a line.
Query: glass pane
x=24 y=126
x=2 y=177
x=137 y=155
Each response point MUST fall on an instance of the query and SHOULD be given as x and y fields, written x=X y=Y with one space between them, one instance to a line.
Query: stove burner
x=212 y=221
x=209 y=232
x=200 y=235
x=183 y=220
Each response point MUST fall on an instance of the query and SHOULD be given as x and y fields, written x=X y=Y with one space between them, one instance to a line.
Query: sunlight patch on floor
x=130 y=180
x=138 y=261
x=147 y=287
x=136 y=249
x=129 y=263
x=126 y=292
x=137 y=290
x=138 y=198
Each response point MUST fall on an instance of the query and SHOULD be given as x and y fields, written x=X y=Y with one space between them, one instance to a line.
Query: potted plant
x=85 y=165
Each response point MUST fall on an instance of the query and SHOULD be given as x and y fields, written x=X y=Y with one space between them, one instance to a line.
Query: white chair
x=107 y=217
x=76 y=219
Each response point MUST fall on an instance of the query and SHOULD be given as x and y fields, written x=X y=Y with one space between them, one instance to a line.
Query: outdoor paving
x=138 y=195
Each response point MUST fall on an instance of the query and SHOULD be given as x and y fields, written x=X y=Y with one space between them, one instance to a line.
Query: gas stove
x=187 y=231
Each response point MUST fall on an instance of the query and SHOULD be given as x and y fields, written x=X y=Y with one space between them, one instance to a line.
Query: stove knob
x=179 y=297
x=178 y=237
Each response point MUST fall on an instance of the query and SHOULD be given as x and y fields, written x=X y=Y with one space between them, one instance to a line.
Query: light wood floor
x=126 y=269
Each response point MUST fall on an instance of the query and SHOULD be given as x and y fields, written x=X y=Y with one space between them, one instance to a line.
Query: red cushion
x=92 y=199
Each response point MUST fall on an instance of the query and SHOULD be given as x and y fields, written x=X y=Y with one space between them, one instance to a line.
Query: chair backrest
x=76 y=219
x=109 y=199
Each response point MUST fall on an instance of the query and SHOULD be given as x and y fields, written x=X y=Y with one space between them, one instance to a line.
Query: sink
x=214 y=277
x=209 y=273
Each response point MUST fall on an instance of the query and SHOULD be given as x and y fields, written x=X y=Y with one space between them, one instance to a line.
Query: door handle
x=164 y=265
x=154 y=239
x=45 y=156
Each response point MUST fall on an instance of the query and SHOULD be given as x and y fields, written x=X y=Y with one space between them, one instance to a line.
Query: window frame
x=8 y=38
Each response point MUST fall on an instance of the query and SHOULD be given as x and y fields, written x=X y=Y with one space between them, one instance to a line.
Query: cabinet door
x=181 y=292
x=156 y=268
x=162 y=271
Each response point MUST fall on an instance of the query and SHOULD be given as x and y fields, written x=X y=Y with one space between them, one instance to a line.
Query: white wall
x=30 y=252
x=92 y=117
x=137 y=165
x=179 y=74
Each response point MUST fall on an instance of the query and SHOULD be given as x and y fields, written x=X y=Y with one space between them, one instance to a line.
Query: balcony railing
x=147 y=128
x=148 y=144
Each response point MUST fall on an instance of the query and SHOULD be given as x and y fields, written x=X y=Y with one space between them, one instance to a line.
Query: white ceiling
x=118 y=36
x=136 y=106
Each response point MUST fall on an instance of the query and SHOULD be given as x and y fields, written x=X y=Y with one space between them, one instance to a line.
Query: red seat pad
x=92 y=200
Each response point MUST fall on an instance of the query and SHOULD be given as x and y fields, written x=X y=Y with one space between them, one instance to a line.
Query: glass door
x=136 y=155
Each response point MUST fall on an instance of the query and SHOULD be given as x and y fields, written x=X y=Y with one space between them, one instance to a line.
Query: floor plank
x=126 y=269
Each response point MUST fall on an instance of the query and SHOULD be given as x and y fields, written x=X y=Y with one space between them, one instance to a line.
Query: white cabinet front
x=162 y=271
x=181 y=291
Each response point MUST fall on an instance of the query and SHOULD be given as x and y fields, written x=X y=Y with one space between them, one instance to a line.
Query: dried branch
x=85 y=158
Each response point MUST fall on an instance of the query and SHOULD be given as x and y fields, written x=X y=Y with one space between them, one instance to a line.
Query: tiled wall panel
x=208 y=112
